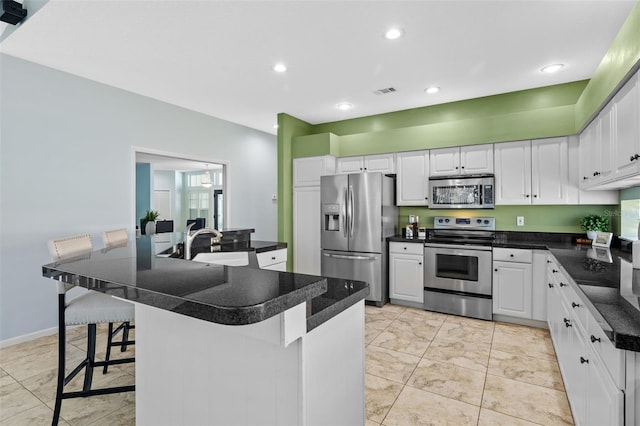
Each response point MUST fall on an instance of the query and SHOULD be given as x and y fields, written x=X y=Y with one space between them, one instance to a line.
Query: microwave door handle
x=351 y=212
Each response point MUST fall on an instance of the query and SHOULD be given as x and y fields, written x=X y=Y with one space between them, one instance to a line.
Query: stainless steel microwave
x=461 y=192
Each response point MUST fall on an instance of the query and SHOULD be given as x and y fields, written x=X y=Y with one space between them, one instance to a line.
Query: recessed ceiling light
x=432 y=90
x=552 y=68
x=344 y=106
x=279 y=67
x=394 y=33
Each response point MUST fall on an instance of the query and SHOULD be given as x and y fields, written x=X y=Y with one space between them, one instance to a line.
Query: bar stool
x=112 y=239
x=89 y=308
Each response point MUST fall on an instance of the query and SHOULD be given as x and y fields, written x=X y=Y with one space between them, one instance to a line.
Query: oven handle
x=459 y=247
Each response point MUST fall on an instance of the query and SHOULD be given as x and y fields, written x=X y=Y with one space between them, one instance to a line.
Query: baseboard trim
x=27 y=337
x=521 y=321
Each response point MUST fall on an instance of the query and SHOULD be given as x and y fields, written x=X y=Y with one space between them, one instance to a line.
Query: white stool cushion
x=93 y=307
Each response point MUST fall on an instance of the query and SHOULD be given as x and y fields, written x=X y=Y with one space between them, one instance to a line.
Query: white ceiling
x=215 y=57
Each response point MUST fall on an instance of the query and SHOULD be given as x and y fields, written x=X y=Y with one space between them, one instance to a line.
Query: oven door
x=458 y=268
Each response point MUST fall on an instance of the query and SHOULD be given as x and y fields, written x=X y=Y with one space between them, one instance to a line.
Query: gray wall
x=67 y=167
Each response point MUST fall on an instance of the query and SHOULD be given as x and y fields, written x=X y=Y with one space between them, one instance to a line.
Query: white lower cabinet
x=406 y=273
x=594 y=396
x=275 y=260
x=512 y=282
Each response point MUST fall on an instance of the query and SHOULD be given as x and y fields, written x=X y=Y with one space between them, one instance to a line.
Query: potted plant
x=148 y=222
x=594 y=223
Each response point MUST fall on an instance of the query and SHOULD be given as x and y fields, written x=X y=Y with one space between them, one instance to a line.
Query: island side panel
x=334 y=366
x=190 y=371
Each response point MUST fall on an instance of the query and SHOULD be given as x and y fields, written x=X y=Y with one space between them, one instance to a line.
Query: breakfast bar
x=233 y=345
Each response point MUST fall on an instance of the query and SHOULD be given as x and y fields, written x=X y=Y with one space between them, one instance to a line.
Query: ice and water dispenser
x=331 y=217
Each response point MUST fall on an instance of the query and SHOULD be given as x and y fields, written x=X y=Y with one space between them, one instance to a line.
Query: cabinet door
x=513 y=172
x=549 y=171
x=350 y=165
x=539 y=285
x=406 y=278
x=307 y=171
x=627 y=130
x=412 y=182
x=306 y=230
x=512 y=289
x=476 y=159
x=605 y=402
x=588 y=155
x=384 y=163
x=604 y=143
x=444 y=162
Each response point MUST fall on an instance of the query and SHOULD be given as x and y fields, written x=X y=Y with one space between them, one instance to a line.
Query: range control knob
x=439 y=220
x=446 y=220
x=479 y=220
x=486 y=221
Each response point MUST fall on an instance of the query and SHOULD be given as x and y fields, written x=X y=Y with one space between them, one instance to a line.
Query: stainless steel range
x=457 y=266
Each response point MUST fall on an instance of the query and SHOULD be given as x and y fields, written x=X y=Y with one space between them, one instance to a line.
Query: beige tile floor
x=426 y=368
x=422 y=368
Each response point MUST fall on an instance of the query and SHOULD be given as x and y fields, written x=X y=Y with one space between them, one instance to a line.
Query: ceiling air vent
x=384 y=91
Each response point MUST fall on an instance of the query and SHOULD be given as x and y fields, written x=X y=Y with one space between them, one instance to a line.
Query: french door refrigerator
x=358 y=214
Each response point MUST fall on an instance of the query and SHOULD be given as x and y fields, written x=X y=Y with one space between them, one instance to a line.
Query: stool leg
x=62 y=340
x=91 y=356
x=125 y=336
x=108 y=354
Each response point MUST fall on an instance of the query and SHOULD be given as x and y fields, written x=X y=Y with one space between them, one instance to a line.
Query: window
x=629 y=219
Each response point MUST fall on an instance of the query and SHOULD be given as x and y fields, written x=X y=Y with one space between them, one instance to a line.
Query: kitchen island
x=233 y=345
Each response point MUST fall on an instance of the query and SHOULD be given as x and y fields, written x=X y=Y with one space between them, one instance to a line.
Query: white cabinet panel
x=384 y=163
x=307 y=171
x=605 y=146
x=306 y=230
x=627 y=130
x=406 y=272
x=469 y=159
x=513 y=172
x=444 y=161
x=512 y=289
x=412 y=182
x=550 y=171
x=476 y=159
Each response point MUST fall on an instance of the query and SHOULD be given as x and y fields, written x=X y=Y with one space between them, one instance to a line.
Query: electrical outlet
x=274 y=197
x=520 y=221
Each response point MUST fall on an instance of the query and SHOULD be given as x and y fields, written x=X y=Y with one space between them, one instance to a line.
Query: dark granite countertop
x=221 y=294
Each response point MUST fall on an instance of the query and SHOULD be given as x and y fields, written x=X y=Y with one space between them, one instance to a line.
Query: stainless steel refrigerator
x=358 y=214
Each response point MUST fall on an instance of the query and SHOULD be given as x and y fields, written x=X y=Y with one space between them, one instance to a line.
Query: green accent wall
x=621 y=59
x=288 y=128
x=536 y=218
x=558 y=110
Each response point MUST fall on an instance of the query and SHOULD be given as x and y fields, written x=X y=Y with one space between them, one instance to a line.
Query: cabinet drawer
x=512 y=255
x=268 y=258
x=406 y=248
x=573 y=301
x=612 y=358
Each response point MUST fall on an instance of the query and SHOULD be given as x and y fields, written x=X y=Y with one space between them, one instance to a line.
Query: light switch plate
x=520 y=220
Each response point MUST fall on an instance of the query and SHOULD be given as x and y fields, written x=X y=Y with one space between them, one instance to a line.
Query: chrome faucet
x=188 y=238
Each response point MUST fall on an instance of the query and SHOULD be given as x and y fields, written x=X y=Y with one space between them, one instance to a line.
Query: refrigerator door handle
x=342 y=256
x=345 y=213
x=351 y=213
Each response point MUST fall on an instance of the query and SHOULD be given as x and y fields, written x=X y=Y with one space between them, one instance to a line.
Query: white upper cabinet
x=464 y=160
x=513 y=172
x=412 y=182
x=550 y=172
x=533 y=172
x=384 y=163
x=307 y=171
x=626 y=159
x=610 y=144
